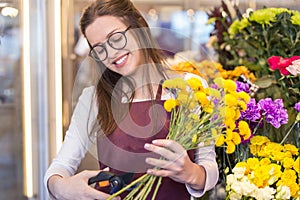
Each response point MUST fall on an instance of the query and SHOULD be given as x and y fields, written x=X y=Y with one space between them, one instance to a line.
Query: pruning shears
x=108 y=179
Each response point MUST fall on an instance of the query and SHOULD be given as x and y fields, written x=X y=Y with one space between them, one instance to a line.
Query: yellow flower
x=295 y=19
x=288 y=176
x=253 y=163
x=220 y=141
x=236 y=138
x=175 y=83
x=182 y=98
x=275 y=170
x=229 y=135
x=230 y=100
x=244 y=129
x=202 y=98
x=244 y=96
x=219 y=82
x=288 y=163
x=214 y=132
x=214 y=93
x=230 y=124
x=260 y=176
x=170 y=104
x=195 y=84
x=208 y=108
x=291 y=148
x=243 y=164
x=194 y=138
x=230 y=148
x=263 y=16
x=259 y=140
x=242 y=105
x=265 y=161
x=194 y=116
x=296 y=165
x=230 y=85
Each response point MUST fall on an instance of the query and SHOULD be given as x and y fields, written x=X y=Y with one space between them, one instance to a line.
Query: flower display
x=198 y=115
x=209 y=70
x=272 y=172
x=252 y=38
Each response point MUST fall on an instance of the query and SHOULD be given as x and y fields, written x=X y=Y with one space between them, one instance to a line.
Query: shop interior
x=43 y=59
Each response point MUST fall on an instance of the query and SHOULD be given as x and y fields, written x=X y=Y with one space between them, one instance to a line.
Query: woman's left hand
x=176 y=163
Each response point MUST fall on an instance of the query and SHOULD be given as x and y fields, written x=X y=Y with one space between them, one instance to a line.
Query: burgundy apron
x=123 y=150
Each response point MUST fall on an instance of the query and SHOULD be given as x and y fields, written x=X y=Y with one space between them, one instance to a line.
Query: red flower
x=273 y=61
x=295 y=58
x=277 y=62
x=283 y=64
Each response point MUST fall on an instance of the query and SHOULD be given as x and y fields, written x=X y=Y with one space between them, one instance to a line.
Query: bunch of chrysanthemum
x=272 y=172
x=198 y=115
x=236 y=129
x=237 y=72
x=211 y=70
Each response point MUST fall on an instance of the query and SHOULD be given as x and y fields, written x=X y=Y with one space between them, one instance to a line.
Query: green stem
x=290 y=130
x=156 y=188
x=128 y=186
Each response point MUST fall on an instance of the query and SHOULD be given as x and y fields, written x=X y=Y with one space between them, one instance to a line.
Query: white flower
x=248 y=188
x=283 y=192
x=239 y=172
x=294 y=68
x=237 y=187
x=230 y=179
x=265 y=193
x=234 y=196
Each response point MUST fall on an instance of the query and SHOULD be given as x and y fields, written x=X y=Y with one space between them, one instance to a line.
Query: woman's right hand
x=75 y=187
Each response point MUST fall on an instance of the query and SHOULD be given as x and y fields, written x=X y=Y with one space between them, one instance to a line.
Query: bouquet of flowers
x=198 y=115
x=272 y=172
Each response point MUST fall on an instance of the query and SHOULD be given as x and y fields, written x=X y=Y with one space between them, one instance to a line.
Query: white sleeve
x=206 y=157
x=76 y=142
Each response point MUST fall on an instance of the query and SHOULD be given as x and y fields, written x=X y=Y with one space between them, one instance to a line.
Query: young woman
x=124 y=111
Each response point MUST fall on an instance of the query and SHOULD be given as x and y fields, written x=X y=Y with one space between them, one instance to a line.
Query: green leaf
x=264 y=82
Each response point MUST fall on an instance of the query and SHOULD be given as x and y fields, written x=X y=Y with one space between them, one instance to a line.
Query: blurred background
x=42 y=54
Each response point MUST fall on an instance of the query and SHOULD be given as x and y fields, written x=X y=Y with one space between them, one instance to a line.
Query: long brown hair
x=107 y=92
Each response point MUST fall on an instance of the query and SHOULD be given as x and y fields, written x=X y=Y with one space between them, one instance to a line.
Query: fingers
x=95 y=194
x=168 y=149
x=170 y=144
x=163 y=164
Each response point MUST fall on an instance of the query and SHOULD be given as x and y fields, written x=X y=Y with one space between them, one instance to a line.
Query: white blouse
x=77 y=143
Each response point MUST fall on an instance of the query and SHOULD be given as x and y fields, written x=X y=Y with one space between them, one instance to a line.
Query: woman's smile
x=121 y=60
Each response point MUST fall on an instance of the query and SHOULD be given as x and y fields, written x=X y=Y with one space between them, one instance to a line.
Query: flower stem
x=128 y=186
x=290 y=130
x=156 y=188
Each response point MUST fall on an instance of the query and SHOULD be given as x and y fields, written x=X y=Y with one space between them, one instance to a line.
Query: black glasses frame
x=94 y=54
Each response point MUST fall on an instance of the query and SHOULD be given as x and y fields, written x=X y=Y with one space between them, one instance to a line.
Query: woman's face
x=123 y=61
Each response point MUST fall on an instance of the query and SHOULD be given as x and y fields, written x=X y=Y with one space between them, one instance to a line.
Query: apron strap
x=159 y=90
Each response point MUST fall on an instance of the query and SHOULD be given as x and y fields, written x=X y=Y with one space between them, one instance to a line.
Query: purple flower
x=297 y=106
x=274 y=111
x=242 y=87
x=253 y=111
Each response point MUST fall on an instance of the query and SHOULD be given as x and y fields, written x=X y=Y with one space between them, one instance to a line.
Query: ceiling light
x=9 y=11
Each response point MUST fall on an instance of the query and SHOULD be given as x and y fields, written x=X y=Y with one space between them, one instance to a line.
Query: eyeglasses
x=117 y=40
